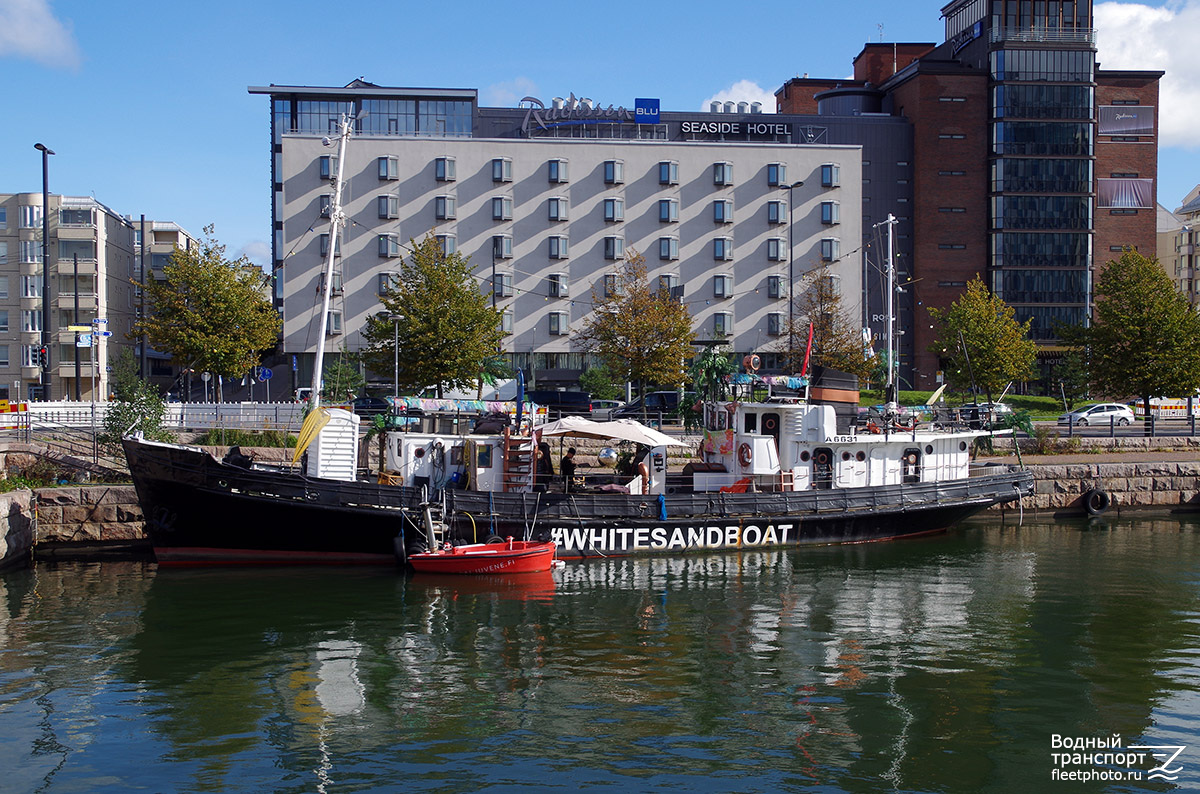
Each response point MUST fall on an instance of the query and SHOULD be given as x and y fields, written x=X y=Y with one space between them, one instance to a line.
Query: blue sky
x=146 y=106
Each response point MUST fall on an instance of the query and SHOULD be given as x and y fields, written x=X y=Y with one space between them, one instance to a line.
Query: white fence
x=179 y=416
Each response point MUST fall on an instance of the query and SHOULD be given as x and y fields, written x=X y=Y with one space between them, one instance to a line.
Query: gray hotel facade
x=550 y=196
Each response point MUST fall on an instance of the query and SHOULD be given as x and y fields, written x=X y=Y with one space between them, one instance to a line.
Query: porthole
x=419 y=452
x=962 y=446
x=804 y=456
x=861 y=456
x=929 y=449
x=845 y=456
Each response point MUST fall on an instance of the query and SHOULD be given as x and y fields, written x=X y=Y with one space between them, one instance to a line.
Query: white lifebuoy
x=745 y=455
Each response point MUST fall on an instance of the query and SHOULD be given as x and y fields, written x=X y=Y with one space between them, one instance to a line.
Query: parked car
x=1099 y=414
x=370 y=406
x=656 y=402
x=562 y=403
x=603 y=409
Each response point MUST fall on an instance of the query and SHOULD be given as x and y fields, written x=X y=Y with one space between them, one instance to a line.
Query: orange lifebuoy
x=745 y=455
x=873 y=428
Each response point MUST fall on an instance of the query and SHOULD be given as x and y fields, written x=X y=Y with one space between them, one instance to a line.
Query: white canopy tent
x=622 y=429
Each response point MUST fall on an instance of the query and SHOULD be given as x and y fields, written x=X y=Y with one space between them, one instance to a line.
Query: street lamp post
x=791 y=276
x=45 y=347
x=395 y=318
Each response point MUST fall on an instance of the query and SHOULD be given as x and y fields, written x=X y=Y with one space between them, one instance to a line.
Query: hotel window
x=776 y=174
x=502 y=246
x=31 y=251
x=4 y=355
x=389 y=245
x=558 y=247
x=774 y=324
x=445 y=169
x=334 y=325
x=31 y=320
x=614 y=248
x=386 y=281
x=614 y=172
x=723 y=174
x=558 y=208
x=774 y=287
x=559 y=324
x=4 y=320
x=389 y=207
x=612 y=287
x=3 y=217
x=831 y=175
x=723 y=286
x=776 y=212
x=502 y=285
x=831 y=212
x=614 y=209
x=328 y=166
x=723 y=248
x=325 y=246
x=502 y=208
x=668 y=172
x=668 y=248
x=3 y=254
x=29 y=356
x=506 y=322
x=30 y=216
x=722 y=324
x=723 y=211
x=338 y=286
x=558 y=285
x=445 y=208
x=557 y=170
x=668 y=210
x=668 y=284
x=449 y=244
x=831 y=249
x=389 y=167
x=31 y=287
x=776 y=249
x=502 y=169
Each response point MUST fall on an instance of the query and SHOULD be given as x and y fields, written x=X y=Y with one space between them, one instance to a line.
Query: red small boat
x=511 y=556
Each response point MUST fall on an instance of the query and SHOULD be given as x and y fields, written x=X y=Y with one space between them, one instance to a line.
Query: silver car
x=602 y=409
x=1099 y=414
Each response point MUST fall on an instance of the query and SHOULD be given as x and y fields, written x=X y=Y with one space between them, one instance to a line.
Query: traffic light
x=43 y=358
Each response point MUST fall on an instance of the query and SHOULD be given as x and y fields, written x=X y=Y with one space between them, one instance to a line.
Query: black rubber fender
x=1096 y=502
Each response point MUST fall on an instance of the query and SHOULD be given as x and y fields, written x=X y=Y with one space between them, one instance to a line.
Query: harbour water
x=980 y=660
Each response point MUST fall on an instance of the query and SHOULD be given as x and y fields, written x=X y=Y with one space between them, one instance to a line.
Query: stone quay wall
x=1165 y=485
x=16 y=529
x=88 y=514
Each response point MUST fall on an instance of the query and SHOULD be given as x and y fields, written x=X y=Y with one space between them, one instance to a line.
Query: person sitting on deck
x=567 y=466
x=544 y=472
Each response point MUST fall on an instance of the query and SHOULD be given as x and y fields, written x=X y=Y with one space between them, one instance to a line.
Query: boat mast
x=889 y=395
x=337 y=219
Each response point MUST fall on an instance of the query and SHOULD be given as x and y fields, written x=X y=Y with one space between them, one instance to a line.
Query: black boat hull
x=200 y=510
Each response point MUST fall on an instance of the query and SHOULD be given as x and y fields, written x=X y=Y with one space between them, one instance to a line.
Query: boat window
x=485 y=456
x=845 y=456
x=929 y=449
x=751 y=423
x=804 y=456
x=861 y=456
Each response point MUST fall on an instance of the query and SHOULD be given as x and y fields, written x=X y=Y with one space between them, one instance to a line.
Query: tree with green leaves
x=981 y=343
x=446 y=325
x=342 y=378
x=837 y=340
x=136 y=406
x=210 y=313
x=639 y=330
x=708 y=372
x=602 y=383
x=1145 y=336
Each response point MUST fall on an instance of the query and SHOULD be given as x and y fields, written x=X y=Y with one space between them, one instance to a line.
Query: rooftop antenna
x=880 y=26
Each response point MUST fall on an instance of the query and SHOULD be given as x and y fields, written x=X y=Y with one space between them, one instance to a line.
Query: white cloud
x=507 y=94
x=744 y=91
x=29 y=29
x=1136 y=36
x=257 y=251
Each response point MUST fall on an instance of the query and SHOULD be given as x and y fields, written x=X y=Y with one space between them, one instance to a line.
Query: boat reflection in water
x=945 y=663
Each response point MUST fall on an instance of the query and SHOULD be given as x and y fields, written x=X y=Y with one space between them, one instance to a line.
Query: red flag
x=807 y=350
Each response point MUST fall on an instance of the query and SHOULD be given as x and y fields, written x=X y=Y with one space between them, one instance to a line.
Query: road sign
x=100 y=321
x=81 y=329
x=85 y=340
x=264 y=373
x=206 y=376
x=105 y=333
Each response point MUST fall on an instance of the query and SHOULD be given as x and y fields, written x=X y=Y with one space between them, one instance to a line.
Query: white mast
x=889 y=396
x=337 y=219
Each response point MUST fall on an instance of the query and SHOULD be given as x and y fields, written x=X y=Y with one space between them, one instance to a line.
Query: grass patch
x=1039 y=408
x=231 y=437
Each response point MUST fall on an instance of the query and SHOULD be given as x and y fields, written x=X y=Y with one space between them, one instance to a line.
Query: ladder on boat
x=520 y=457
